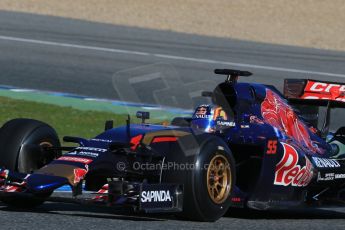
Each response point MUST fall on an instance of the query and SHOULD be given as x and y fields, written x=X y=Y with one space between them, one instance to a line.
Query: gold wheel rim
x=219 y=179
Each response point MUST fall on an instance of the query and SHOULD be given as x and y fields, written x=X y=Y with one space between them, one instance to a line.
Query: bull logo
x=79 y=174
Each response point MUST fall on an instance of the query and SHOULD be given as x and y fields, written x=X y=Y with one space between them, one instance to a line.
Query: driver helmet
x=209 y=118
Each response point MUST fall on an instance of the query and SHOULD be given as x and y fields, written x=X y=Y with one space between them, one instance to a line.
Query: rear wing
x=313 y=92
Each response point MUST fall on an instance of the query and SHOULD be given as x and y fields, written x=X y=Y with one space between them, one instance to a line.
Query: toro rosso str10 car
x=253 y=147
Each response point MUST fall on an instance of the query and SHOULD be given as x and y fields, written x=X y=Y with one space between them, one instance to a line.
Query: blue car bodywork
x=282 y=161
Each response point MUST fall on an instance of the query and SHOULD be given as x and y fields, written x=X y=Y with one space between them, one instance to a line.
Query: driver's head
x=202 y=111
x=208 y=118
x=202 y=118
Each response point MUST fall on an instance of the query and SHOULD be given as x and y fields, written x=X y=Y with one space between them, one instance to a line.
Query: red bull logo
x=288 y=172
x=278 y=113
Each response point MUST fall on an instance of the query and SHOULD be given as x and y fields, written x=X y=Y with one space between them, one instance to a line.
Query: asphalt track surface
x=81 y=57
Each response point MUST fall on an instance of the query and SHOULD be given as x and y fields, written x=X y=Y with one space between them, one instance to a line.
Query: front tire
x=209 y=183
x=22 y=143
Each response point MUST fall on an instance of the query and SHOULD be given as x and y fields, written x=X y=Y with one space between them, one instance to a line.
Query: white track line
x=171 y=57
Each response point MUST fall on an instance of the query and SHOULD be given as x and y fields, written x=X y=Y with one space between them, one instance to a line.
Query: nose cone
x=45 y=183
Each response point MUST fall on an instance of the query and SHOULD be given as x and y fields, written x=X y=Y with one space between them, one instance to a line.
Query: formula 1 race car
x=253 y=147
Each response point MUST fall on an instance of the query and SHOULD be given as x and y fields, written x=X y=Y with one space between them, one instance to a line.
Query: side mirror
x=108 y=125
x=143 y=116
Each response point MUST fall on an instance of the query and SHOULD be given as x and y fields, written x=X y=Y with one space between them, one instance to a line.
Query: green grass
x=66 y=120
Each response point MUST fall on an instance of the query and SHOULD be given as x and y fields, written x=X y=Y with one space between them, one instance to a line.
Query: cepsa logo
x=322 y=90
x=288 y=172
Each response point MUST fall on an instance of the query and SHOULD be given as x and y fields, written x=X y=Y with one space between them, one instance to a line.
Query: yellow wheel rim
x=219 y=179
